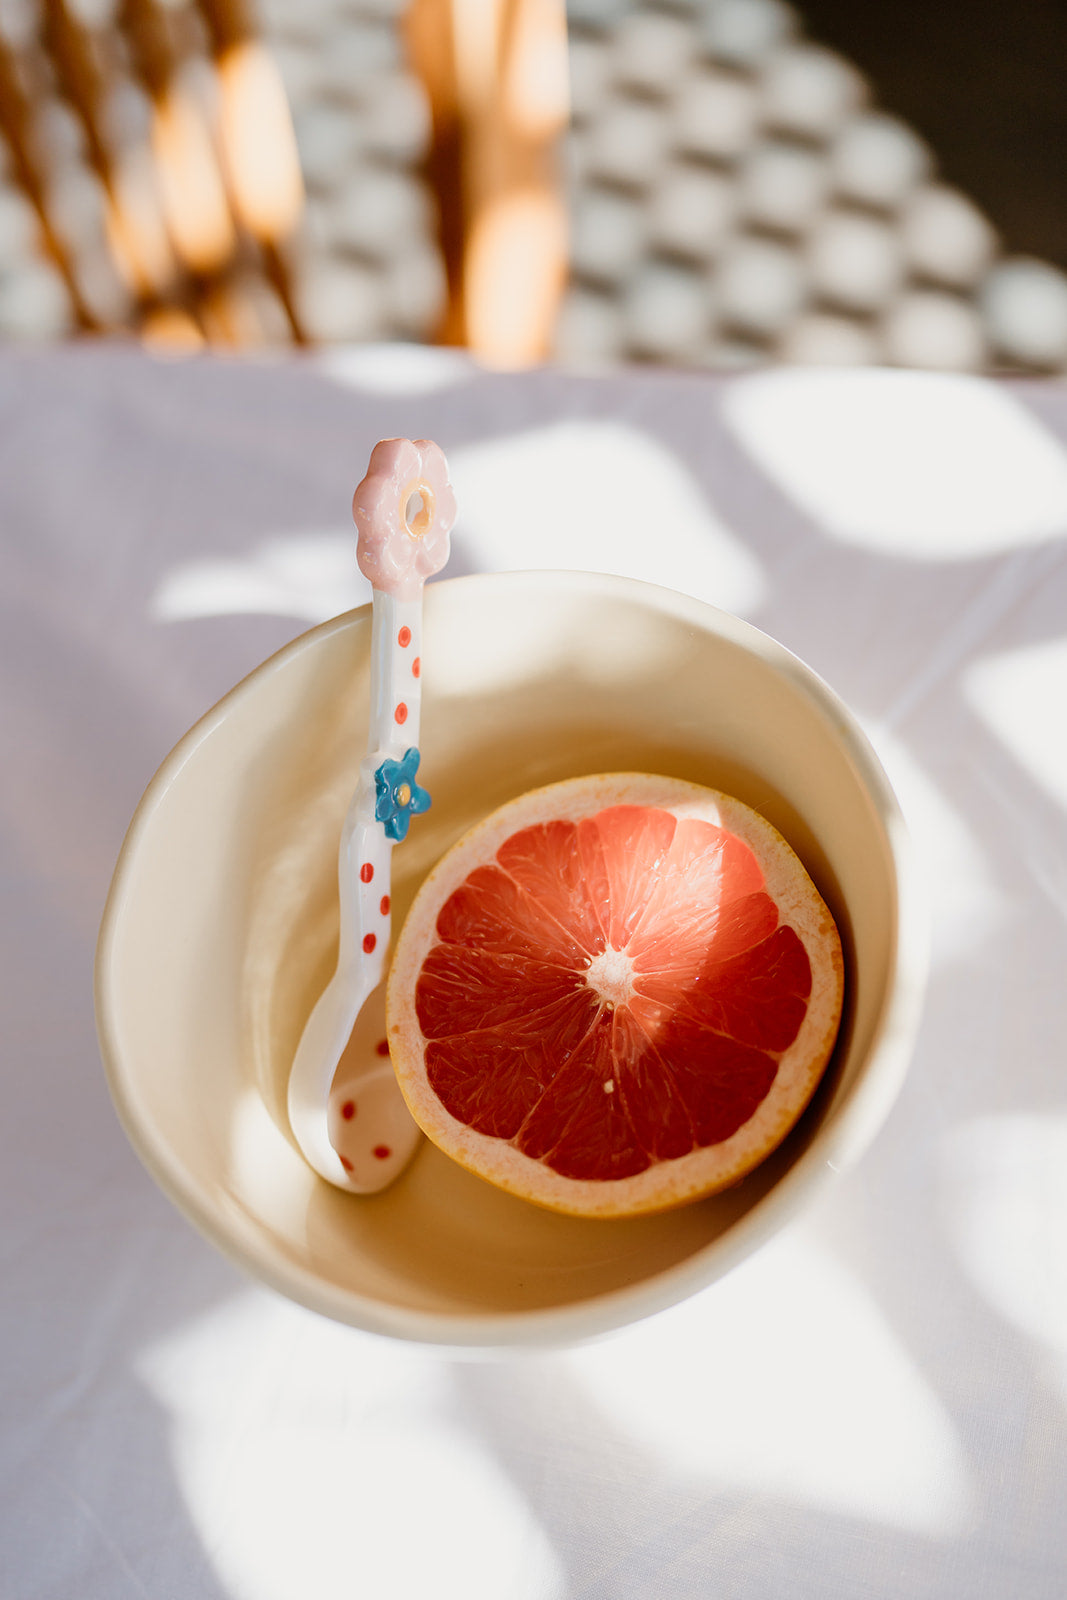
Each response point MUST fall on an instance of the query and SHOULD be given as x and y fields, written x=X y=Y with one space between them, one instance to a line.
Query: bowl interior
x=221 y=930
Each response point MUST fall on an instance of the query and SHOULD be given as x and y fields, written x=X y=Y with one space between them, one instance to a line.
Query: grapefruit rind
x=669 y=1183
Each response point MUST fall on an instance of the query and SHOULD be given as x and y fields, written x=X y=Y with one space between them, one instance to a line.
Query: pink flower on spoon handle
x=404 y=510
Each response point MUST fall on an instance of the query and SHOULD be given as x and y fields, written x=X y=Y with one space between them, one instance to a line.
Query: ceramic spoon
x=346 y=1111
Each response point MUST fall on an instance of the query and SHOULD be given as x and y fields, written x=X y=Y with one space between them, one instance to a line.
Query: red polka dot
x=382 y=1151
x=348 y=1110
x=401 y=712
x=385 y=905
x=416 y=666
x=346 y=1163
x=366 y=872
x=369 y=941
x=382 y=1047
x=403 y=638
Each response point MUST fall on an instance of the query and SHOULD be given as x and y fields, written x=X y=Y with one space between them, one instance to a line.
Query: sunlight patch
x=395 y=368
x=786 y=1379
x=314 y=1486
x=966 y=905
x=1021 y=695
x=933 y=466
x=309 y=576
x=1005 y=1196
x=598 y=497
x=1004 y=1188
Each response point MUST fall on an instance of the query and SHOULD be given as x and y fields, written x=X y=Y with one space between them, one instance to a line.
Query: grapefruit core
x=614 y=995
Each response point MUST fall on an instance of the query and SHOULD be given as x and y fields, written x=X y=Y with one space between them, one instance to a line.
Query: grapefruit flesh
x=615 y=994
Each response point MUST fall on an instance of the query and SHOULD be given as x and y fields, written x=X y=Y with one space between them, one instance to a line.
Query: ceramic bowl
x=221 y=928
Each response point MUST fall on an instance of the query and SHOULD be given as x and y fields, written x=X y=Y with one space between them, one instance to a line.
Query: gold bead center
x=419 y=508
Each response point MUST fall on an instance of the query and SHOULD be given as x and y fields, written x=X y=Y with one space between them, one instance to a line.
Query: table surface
x=876 y=1403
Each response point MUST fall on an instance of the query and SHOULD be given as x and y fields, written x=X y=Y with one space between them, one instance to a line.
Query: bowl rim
x=837 y=1143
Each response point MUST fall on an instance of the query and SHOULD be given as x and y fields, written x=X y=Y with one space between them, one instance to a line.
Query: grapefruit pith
x=614 y=995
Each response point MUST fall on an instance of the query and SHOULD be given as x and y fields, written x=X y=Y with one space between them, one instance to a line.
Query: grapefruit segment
x=463 y=992
x=615 y=994
x=758 y=996
x=563 y=883
x=492 y=912
x=634 y=843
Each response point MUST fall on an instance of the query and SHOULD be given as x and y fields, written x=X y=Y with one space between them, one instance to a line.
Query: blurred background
x=709 y=183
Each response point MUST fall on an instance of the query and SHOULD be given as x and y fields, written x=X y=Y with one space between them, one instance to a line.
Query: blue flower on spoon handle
x=398 y=796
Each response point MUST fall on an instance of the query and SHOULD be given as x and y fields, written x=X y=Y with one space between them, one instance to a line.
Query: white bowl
x=221 y=927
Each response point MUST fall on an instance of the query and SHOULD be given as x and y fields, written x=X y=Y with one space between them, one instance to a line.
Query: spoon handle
x=396 y=673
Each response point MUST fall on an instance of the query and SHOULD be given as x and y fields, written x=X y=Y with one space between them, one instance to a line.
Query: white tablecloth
x=874 y=1405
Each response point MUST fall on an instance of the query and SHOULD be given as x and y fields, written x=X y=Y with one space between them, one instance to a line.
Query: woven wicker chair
x=718 y=190
x=155 y=182
x=156 y=154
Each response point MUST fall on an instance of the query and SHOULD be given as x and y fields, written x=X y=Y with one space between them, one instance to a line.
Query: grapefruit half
x=614 y=995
